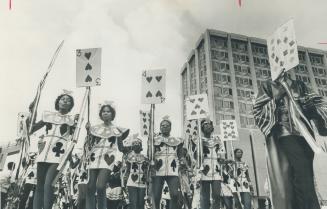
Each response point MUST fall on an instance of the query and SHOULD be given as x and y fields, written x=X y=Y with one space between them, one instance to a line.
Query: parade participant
x=106 y=141
x=290 y=158
x=137 y=166
x=114 y=192
x=243 y=180
x=168 y=151
x=59 y=129
x=29 y=183
x=5 y=182
x=211 y=173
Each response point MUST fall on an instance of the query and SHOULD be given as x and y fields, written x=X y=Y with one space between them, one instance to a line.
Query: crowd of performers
x=112 y=172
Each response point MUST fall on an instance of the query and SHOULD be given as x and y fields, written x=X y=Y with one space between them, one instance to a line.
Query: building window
x=243 y=81
x=316 y=59
x=219 y=55
x=305 y=79
x=218 y=42
x=301 y=56
x=239 y=46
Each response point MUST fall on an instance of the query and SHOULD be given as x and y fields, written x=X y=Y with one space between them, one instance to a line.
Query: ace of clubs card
x=153 y=86
x=228 y=130
x=282 y=50
x=144 y=123
x=88 y=67
x=197 y=106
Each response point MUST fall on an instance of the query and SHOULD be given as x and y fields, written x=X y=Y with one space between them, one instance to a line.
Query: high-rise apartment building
x=230 y=68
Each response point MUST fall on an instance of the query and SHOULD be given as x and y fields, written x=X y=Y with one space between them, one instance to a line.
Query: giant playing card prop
x=282 y=50
x=191 y=130
x=228 y=130
x=197 y=106
x=144 y=123
x=21 y=124
x=153 y=86
x=88 y=67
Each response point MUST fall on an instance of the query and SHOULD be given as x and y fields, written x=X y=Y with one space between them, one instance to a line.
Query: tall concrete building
x=230 y=68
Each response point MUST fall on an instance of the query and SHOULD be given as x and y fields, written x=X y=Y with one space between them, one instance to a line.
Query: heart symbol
x=202 y=112
x=144 y=114
x=201 y=99
x=144 y=120
x=206 y=170
x=158 y=78
x=134 y=177
x=149 y=79
x=158 y=94
x=193 y=113
x=158 y=164
x=88 y=67
x=88 y=79
x=148 y=94
x=88 y=55
x=192 y=100
x=197 y=106
x=109 y=160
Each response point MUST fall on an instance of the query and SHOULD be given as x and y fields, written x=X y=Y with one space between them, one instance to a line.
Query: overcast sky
x=134 y=35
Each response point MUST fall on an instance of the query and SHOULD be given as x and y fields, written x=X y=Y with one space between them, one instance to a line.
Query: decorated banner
x=144 y=123
x=88 y=67
x=21 y=124
x=153 y=86
x=197 y=106
x=191 y=130
x=282 y=49
x=228 y=130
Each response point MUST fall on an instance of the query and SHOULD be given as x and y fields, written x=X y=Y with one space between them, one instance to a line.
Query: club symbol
x=87 y=55
x=57 y=149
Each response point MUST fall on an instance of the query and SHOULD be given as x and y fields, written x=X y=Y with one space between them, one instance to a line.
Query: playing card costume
x=290 y=158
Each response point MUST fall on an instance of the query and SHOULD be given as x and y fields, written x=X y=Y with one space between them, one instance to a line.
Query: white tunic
x=57 y=137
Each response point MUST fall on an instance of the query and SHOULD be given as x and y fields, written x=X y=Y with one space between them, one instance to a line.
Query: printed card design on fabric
x=144 y=123
x=153 y=86
x=282 y=49
x=191 y=130
x=197 y=106
x=228 y=130
x=21 y=124
x=88 y=67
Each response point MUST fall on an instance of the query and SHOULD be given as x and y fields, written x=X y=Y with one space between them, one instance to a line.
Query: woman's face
x=65 y=103
x=165 y=127
x=239 y=154
x=106 y=114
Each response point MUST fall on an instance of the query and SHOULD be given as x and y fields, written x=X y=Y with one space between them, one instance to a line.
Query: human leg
x=39 y=190
x=101 y=186
x=215 y=193
x=91 y=189
x=246 y=200
x=174 y=191
x=48 y=188
x=157 y=184
x=205 y=195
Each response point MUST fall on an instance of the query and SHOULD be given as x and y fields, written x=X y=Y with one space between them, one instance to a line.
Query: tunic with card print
x=213 y=148
x=166 y=159
x=59 y=132
x=242 y=177
x=104 y=152
x=139 y=165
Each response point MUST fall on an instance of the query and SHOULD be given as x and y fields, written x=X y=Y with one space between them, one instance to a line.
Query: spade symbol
x=149 y=79
x=88 y=79
x=145 y=126
x=158 y=94
x=88 y=55
x=88 y=67
x=158 y=78
x=31 y=175
x=189 y=126
x=188 y=131
x=202 y=112
x=148 y=94
x=145 y=133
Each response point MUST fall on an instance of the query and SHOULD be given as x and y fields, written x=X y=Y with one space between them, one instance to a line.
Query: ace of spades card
x=228 y=130
x=21 y=124
x=191 y=129
x=282 y=49
x=144 y=123
x=197 y=106
x=153 y=86
x=88 y=67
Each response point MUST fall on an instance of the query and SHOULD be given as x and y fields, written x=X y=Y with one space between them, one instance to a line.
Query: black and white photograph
x=163 y=104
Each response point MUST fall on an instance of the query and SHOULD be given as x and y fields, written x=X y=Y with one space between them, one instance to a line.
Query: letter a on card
x=197 y=106
x=88 y=67
x=282 y=50
x=153 y=86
